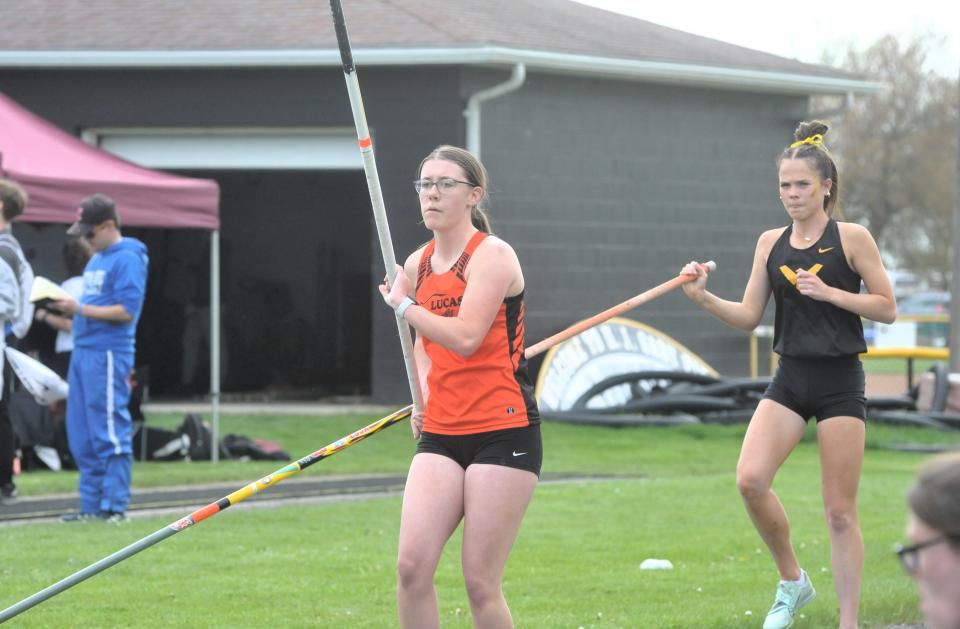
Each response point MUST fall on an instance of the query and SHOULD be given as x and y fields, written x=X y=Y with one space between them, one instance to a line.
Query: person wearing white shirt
x=76 y=254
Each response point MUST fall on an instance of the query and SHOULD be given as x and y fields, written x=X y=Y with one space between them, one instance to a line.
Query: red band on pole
x=365 y=143
x=202 y=514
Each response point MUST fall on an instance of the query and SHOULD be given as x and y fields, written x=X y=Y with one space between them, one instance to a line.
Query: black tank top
x=803 y=326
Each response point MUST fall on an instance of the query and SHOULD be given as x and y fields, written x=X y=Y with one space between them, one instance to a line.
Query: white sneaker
x=791 y=596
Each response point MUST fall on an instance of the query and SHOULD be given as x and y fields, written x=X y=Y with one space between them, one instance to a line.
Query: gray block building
x=618 y=149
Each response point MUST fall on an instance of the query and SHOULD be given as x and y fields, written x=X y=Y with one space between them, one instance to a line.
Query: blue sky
x=761 y=25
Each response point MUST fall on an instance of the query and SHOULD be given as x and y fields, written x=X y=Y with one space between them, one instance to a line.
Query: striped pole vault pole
x=205 y=512
x=373 y=185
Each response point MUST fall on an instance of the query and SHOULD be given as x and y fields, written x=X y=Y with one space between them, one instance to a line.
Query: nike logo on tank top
x=803 y=326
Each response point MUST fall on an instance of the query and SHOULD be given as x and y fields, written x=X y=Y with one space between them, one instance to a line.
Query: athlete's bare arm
x=863 y=256
x=492 y=275
x=747 y=313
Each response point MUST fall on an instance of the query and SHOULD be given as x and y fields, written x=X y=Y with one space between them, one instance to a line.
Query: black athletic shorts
x=513 y=447
x=820 y=387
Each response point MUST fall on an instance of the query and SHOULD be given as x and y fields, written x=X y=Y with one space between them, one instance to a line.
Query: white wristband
x=402 y=308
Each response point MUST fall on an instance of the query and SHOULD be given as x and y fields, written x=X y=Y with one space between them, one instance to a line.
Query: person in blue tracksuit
x=104 y=329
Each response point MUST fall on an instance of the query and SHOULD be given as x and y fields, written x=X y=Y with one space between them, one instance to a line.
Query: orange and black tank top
x=490 y=390
x=805 y=327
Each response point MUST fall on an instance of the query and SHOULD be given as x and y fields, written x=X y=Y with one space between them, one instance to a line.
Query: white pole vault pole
x=376 y=195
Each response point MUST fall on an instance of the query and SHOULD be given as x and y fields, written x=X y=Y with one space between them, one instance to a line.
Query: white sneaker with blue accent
x=791 y=596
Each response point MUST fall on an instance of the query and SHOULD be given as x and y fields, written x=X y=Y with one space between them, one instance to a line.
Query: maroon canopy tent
x=58 y=170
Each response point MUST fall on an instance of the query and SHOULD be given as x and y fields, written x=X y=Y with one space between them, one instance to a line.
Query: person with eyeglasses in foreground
x=479 y=451
x=813 y=267
x=105 y=320
x=933 y=527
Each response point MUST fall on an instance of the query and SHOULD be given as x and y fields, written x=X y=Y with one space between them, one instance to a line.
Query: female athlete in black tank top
x=813 y=268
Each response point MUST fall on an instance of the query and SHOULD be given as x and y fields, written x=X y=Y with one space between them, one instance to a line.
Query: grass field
x=575 y=564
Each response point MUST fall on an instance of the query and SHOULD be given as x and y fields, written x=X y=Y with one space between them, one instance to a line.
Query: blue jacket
x=116 y=275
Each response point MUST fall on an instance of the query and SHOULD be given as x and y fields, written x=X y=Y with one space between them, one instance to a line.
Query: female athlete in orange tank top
x=479 y=453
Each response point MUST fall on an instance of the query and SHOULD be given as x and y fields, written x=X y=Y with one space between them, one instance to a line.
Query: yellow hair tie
x=815 y=140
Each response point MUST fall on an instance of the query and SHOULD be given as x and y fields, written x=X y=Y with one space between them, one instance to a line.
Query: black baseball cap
x=93 y=210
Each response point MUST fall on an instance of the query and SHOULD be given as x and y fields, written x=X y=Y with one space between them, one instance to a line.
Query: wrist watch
x=402 y=308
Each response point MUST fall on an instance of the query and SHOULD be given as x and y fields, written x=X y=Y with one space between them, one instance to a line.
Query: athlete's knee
x=751 y=483
x=481 y=588
x=840 y=518
x=413 y=572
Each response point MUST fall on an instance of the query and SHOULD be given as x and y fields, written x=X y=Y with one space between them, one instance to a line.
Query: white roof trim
x=262 y=148
x=563 y=63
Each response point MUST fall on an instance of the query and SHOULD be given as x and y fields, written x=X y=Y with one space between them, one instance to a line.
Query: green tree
x=897 y=151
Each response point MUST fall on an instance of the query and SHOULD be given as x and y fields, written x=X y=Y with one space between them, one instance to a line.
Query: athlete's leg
x=495 y=499
x=772 y=434
x=841 y=460
x=432 y=509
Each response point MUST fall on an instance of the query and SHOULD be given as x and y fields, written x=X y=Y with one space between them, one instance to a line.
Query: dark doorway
x=295 y=289
x=295 y=278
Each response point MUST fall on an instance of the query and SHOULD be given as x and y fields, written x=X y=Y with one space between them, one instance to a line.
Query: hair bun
x=810 y=128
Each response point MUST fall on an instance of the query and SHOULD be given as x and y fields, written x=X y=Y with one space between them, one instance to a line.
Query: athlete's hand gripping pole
x=376 y=195
x=630 y=304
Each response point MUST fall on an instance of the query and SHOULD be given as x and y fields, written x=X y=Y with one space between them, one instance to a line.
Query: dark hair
x=13 y=197
x=935 y=495
x=475 y=173
x=76 y=254
x=809 y=146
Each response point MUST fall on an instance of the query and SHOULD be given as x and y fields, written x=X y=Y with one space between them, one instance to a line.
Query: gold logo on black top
x=825 y=249
x=792 y=276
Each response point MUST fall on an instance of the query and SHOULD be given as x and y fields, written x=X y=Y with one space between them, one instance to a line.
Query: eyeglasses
x=910 y=555
x=444 y=184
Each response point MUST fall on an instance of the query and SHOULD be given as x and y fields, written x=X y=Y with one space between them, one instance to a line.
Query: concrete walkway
x=269 y=408
x=182 y=500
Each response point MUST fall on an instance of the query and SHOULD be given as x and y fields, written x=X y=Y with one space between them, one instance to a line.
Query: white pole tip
x=711 y=265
